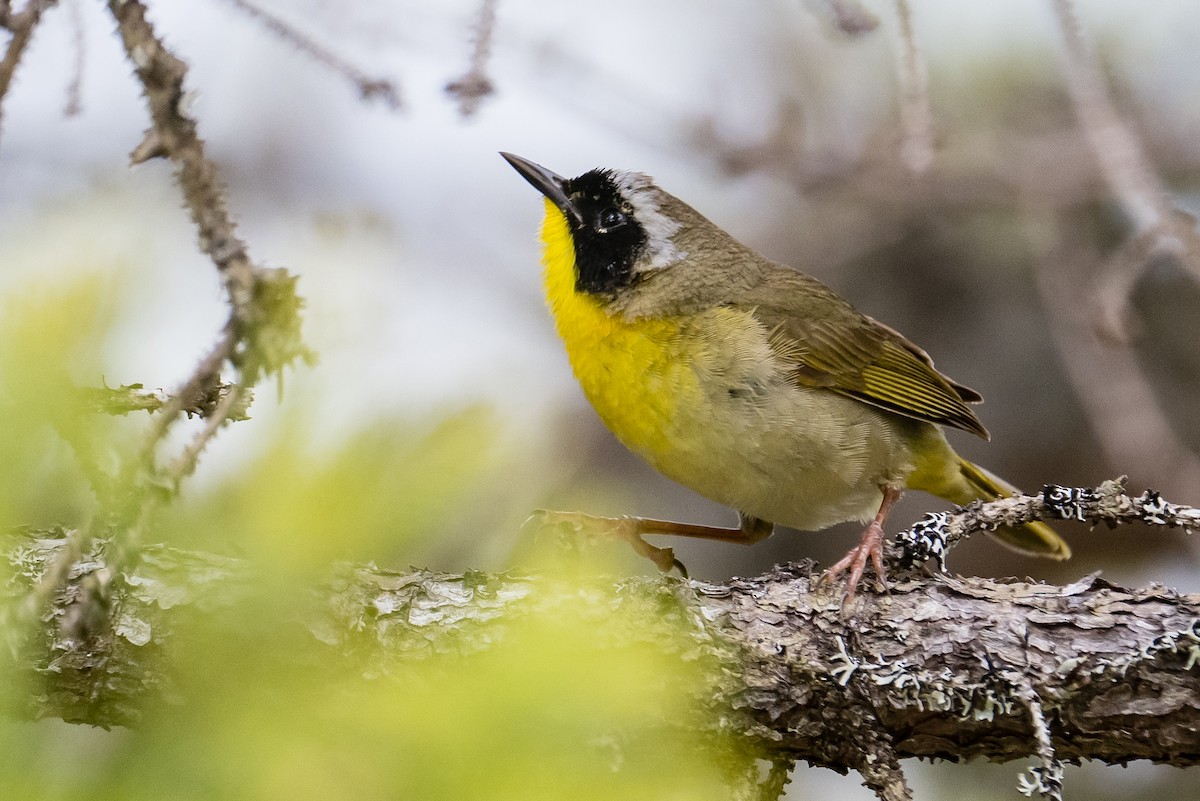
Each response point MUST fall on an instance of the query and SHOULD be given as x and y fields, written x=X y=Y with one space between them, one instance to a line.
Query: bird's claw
x=869 y=549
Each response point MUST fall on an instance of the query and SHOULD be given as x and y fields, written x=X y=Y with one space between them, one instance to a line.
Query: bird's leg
x=632 y=529
x=869 y=547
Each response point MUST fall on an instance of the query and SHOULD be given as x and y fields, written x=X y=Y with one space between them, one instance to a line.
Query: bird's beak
x=550 y=184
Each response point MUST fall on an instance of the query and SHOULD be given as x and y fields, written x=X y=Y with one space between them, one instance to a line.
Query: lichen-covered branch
x=129 y=398
x=934 y=536
x=942 y=667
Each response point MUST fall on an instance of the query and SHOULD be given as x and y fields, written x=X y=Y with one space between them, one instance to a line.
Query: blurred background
x=443 y=410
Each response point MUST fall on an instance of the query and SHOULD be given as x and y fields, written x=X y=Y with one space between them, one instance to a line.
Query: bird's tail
x=1033 y=539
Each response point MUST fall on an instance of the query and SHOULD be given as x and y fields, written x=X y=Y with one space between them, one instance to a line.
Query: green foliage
x=272 y=339
x=377 y=495
x=554 y=705
x=50 y=336
x=545 y=713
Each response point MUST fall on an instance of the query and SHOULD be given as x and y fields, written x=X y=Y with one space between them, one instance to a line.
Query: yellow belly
x=704 y=400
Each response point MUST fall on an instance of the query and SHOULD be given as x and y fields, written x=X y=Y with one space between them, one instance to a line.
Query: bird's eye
x=611 y=218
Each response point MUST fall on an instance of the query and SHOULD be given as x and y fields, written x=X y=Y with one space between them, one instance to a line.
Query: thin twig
x=203 y=379
x=1128 y=420
x=21 y=25
x=129 y=398
x=1123 y=161
x=1109 y=503
x=916 y=119
x=79 y=41
x=185 y=464
x=162 y=75
x=852 y=17
x=369 y=88
x=1046 y=779
x=775 y=785
x=1117 y=150
x=475 y=85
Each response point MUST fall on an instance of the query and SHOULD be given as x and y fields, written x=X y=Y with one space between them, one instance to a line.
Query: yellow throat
x=632 y=372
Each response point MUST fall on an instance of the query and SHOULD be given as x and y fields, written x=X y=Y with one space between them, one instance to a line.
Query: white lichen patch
x=1181 y=641
x=927 y=691
x=133 y=629
x=1045 y=782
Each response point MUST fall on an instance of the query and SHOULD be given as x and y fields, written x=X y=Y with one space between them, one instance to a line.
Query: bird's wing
x=835 y=347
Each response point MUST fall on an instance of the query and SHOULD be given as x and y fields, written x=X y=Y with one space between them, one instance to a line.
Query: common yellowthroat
x=751 y=383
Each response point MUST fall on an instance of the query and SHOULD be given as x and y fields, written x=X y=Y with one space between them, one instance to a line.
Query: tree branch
x=129 y=398
x=475 y=85
x=368 y=88
x=943 y=667
x=21 y=24
x=938 y=532
x=261 y=335
x=916 y=118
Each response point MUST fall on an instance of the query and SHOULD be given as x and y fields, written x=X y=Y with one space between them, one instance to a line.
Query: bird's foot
x=869 y=548
x=569 y=529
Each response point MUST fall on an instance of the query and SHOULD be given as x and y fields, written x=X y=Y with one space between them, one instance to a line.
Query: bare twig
x=258 y=337
x=1122 y=160
x=162 y=76
x=369 y=88
x=79 y=42
x=1117 y=150
x=852 y=17
x=21 y=25
x=185 y=464
x=475 y=85
x=916 y=120
x=1128 y=420
x=202 y=383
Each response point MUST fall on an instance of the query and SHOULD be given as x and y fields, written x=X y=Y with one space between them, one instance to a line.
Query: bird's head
x=622 y=225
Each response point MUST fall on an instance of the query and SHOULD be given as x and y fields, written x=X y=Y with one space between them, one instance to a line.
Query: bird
x=750 y=382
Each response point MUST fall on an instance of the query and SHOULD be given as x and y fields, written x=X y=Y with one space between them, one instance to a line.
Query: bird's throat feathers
x=613 y=357
x=574 y=311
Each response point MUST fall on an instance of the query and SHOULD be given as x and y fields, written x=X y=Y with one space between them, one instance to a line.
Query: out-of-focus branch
x=1123 y=163
x=129 y=398
x=79 y=43
x=21 y=25
x=851 y=17
x=260 y=336
x=1090 y=294
x=1126 y=417
x=916 y=119
x=1116 y=148
x=475 y=85
x=369 y=88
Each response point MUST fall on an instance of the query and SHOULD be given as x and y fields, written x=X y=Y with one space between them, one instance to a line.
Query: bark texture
x=941 y=667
